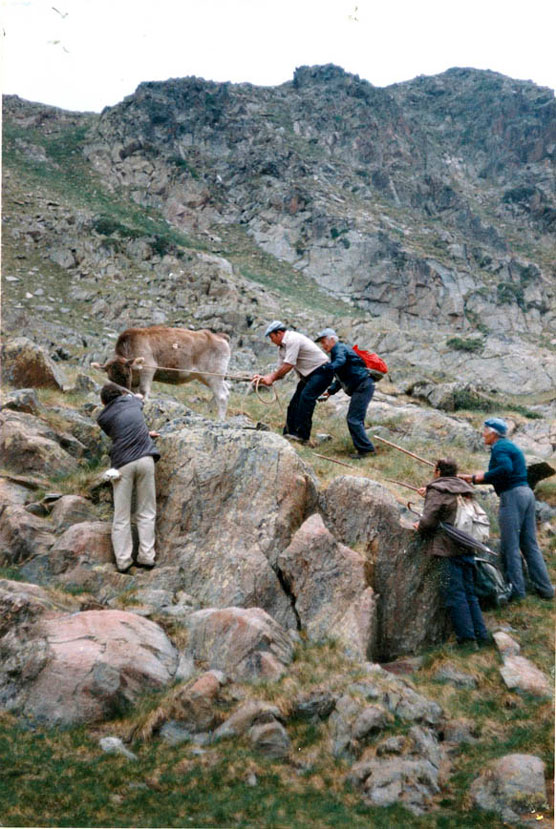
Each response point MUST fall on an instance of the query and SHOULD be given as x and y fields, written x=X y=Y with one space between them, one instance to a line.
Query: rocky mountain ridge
x=392 y=213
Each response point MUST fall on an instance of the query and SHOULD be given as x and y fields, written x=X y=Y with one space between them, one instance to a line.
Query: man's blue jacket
x=349 y=369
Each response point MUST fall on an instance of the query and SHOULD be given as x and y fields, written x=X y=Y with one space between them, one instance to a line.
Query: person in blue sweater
x=352 y=376
x=507 y=473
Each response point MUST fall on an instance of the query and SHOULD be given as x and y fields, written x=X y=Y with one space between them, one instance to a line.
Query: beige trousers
x=140 y=474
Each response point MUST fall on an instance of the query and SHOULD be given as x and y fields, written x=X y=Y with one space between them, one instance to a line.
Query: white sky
x=88 y=54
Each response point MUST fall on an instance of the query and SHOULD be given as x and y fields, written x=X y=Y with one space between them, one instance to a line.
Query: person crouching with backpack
x=457 y=578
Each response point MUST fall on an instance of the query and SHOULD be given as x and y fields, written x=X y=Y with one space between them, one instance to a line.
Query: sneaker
x=124 y=570
x=146 y=565
x=357 y=456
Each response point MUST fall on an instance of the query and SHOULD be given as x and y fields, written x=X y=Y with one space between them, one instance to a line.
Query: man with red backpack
x=353 y=377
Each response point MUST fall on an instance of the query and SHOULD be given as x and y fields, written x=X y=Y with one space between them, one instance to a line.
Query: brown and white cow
x=171 y=355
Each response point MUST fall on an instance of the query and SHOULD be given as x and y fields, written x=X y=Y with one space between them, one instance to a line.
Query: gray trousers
x=138 y=474
x=518 y=532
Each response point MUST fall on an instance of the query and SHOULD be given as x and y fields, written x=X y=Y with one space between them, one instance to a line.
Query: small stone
x=114 y=745
x=271 y=739
x=519 y=674
x=505 y=644
x=449 y=673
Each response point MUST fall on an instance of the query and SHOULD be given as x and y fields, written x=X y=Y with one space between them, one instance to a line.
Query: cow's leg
x=220 y=393
x=145 y=381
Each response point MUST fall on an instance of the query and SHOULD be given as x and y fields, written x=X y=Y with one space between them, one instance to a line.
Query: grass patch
x=471 y=345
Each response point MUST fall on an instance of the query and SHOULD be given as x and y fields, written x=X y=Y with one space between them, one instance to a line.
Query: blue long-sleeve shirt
x=507 y=468
x=349 y=369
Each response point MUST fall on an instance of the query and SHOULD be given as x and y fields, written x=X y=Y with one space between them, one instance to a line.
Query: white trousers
x=140 y=474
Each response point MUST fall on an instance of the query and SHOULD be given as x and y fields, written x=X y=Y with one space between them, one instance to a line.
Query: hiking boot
x=146 y=565
x=358 y=456
x=294 y=438
x=124 y=570
x=486 y=641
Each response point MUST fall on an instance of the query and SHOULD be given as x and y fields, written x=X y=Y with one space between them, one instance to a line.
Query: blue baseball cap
x=275 y=325
x=497 y=425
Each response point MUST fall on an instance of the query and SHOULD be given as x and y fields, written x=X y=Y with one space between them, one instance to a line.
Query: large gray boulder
x=22 y=535
x=244 y=644
x=512 y=787
x=229 y=500
x=26 y=364
x=411 y=774
x=329 y=586
x=63 y=669
x=363 y=515
x=29 y=445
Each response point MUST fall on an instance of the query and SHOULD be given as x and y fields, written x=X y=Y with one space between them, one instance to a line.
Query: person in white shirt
x=298 y=352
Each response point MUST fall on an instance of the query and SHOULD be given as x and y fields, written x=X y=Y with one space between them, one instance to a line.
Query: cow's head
x=121 y=370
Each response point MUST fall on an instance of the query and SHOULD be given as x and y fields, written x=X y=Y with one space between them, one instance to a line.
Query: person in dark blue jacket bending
x=350 y=374
x=507 y=473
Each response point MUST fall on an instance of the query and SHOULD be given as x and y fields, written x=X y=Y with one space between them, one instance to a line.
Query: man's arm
x=277 y=374
x=430 y=518
x=501 y=466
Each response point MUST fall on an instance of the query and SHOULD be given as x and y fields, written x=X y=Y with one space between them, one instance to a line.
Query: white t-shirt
x=300 y=352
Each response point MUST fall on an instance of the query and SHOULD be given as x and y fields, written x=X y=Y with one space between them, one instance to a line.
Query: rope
x=240 y=377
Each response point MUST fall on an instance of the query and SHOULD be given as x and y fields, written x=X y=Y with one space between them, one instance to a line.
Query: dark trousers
x=299 y=417
x=460 y=599
x=358 y=406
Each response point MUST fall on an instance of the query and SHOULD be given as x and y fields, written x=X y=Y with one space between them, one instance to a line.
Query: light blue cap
x=275 y=325
x=326 y=332
x=497 y=425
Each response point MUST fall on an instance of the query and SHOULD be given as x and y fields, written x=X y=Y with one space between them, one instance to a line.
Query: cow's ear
x=98 y=365
x=137 y=362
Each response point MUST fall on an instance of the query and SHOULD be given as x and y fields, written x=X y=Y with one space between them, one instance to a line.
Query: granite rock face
x=404 y=580
x=328 y=582
x=244 y=644
x=229 y=502
x=83 y=667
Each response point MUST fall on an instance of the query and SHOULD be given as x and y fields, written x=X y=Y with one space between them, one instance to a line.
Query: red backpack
x=376 y=366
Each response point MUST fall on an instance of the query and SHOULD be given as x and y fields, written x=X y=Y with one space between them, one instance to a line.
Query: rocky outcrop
x=408 y=771
x=245 y=644
x=26 y=364
x=328 y=582
x=29 y=445
x=23 y=535
x=229 y=501
x=409 y=611
x=61 y=669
